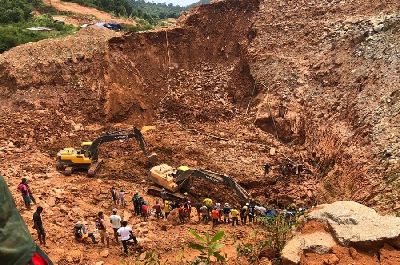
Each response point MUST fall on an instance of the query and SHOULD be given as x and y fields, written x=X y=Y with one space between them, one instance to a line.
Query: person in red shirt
x=145 y=211
x=182 y=213
x=157 y=209
x=215 y=216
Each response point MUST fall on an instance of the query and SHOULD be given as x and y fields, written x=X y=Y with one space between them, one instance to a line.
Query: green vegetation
x=208 y=247
x=151 y=12
x=277 y=231
x=16 y=16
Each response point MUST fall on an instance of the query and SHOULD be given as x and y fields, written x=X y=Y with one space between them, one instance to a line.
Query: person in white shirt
x=115 y=221
x=126 y=234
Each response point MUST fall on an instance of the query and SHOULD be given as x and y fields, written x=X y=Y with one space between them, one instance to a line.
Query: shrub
x=208 y=247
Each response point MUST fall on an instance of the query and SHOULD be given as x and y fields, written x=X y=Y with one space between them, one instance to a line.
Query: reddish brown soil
x=223 y=71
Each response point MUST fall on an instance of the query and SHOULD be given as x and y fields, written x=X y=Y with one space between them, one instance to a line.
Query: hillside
x=308 y=86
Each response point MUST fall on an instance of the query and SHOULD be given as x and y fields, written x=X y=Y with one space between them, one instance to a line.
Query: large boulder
x=318 y=242
x=343 y=231
x=354 y=224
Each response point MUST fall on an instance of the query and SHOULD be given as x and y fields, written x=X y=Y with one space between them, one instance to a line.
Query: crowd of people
x=206 y=211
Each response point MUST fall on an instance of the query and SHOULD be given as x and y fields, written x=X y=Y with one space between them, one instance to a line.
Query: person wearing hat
x=115 y=221
x=226 y=211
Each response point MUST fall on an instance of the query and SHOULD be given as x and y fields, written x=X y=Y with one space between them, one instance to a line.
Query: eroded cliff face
x=317 y=81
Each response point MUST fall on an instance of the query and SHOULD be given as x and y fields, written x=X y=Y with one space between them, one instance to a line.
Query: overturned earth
x=233 y=85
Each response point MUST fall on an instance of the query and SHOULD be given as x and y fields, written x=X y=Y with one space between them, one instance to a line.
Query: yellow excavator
x=177 y=180
x=86 y=158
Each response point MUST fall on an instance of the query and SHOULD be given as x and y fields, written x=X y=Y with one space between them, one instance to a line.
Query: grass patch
x=14 y=34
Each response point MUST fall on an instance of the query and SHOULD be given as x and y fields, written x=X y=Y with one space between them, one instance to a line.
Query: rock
x=105 y=253
x=356 y=225
x=318 y=242
x=272 y=151
x=99 y=263
x=173 y=217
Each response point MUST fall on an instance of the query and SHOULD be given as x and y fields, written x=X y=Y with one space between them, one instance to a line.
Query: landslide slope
x=225 y=71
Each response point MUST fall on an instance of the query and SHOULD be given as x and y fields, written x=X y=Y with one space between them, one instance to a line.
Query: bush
x=15 y=34
x=208 y=247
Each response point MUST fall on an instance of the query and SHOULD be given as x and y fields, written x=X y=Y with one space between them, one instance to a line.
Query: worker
x=167 y=208
x=243 y=213
x=208 y=203
x=115 y=221
x=23 y=187
x=215 y=217
x=181 y=213
x=126 y=234
x=163 y=194
x=188 y=209
x=81 y=234
x=38 y=225
x=234 y=215
x=136 y=203
x=219 y=208
x=205 y=214
x=266 y=168
x=114 y=195
x=101 y=227
x=122 y=197
x=226 y=211
x=198 y=205
x=157 y=210
x=282 y=109
x=251 y=212
x=145 y=210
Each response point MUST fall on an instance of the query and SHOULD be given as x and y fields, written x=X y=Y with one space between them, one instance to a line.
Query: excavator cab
x=86 y=157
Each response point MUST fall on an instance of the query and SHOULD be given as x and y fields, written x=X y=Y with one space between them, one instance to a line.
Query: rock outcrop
x=344 y=230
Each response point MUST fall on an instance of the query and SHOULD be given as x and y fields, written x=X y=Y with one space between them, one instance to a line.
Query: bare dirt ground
x=86 y=11
x=332 y=64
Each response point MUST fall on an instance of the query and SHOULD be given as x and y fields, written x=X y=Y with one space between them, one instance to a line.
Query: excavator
x=86 y=158
x=181 y=179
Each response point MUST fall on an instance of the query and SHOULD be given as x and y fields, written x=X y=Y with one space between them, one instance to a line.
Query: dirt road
x=83 y=10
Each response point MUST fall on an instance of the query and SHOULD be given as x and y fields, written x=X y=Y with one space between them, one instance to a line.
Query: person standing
x=115 y=221
x=126 y=234
x=234 y=215
x=226 y=211
x=145 y=211
x=215 y=217
x=157 y=209
x=167 y=208
x=163 y=194
x=25 y=192
x=266 y=168
x=38 y=225
x=114 y=195
x=122 y=197
x=136 y=203
x=243 y=213
x=101 y=226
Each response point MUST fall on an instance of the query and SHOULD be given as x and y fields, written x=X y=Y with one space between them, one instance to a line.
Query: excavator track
x=156 y=191
x=68 y=171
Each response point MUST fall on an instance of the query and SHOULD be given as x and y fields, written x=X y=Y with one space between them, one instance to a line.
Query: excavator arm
x=94 y=148
x=185 y=181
